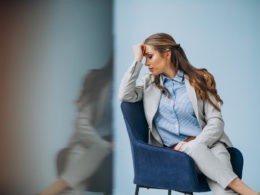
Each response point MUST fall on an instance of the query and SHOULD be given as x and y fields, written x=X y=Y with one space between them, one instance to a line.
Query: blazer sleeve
x=214 y=128
x=128 y=91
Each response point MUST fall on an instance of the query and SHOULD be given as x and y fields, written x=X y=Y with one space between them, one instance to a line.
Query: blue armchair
x=164 y=168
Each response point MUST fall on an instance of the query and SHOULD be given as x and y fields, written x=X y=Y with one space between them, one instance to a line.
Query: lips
x=150 y=68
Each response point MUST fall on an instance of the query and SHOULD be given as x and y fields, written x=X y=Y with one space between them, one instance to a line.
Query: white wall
x=222 y=36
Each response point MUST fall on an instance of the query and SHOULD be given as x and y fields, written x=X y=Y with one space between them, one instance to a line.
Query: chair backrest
x=135 y=121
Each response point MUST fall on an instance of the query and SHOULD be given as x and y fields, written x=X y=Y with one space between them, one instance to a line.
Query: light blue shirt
x=175 y=119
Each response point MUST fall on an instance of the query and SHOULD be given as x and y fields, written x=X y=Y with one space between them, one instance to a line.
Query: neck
x=170 y=72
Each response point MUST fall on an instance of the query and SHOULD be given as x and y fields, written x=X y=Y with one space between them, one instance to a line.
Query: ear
x=168 y=54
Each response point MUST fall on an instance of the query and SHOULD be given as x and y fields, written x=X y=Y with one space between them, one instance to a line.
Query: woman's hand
x=179 y=145
x=139 y=51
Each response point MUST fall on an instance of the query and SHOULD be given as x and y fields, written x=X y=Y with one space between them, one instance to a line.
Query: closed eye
x=149 y=56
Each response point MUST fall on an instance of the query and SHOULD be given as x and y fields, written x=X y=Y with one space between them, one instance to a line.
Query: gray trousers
x=213 y=162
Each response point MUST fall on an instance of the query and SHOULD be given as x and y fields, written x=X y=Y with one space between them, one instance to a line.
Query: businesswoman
x=92 y=139
x=182 y=109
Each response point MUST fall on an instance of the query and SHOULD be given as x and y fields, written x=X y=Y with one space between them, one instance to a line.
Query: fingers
x=143 y=48
x=139 y=51
x=179 y=145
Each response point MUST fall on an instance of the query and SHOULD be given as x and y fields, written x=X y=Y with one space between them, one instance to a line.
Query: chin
x=154 y=73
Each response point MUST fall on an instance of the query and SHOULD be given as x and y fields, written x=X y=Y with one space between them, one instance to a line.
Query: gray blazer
x=209 y=118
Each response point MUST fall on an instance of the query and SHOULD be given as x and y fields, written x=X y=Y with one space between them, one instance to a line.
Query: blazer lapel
x=151 y=102
x=153 y=95
x=192 y=95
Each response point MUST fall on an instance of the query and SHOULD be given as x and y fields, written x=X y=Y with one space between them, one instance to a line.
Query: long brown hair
x=202 y=81
x=93 y=83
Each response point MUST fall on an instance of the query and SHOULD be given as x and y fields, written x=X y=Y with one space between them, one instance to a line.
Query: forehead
x=149 y=49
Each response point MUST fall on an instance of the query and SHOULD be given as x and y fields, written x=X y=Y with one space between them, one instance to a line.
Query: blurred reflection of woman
x=91 y=141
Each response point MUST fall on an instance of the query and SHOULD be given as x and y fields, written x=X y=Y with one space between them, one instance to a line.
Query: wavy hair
x=202 y=81
x=93 y=84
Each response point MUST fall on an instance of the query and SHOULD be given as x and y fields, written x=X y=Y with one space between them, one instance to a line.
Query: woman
x=182 y=109
x=91 y=141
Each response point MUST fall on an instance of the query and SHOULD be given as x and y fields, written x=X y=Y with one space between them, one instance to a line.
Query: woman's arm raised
x=128 y=91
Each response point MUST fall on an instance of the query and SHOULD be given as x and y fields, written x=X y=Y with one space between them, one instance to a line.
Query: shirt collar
x=178 y=77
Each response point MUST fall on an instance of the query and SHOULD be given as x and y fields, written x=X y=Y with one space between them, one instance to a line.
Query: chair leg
x=136 y=190
x=169 y=192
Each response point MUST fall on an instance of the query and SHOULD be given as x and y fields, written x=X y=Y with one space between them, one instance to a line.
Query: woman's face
x=156 y=62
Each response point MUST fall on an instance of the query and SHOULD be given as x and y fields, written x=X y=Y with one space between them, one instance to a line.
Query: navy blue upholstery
x=164 y=168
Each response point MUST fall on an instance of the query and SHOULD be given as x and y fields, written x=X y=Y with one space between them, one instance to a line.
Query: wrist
x=138 y=59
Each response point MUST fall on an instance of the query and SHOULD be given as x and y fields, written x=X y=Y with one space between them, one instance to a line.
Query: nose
x=146 y=62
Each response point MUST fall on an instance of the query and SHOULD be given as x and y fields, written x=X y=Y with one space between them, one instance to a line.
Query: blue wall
x=222 y=36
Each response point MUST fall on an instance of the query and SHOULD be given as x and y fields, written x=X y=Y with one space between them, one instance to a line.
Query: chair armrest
x=151 y=162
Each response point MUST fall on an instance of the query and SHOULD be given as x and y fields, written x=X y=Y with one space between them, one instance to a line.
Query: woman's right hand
x=139 y=51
